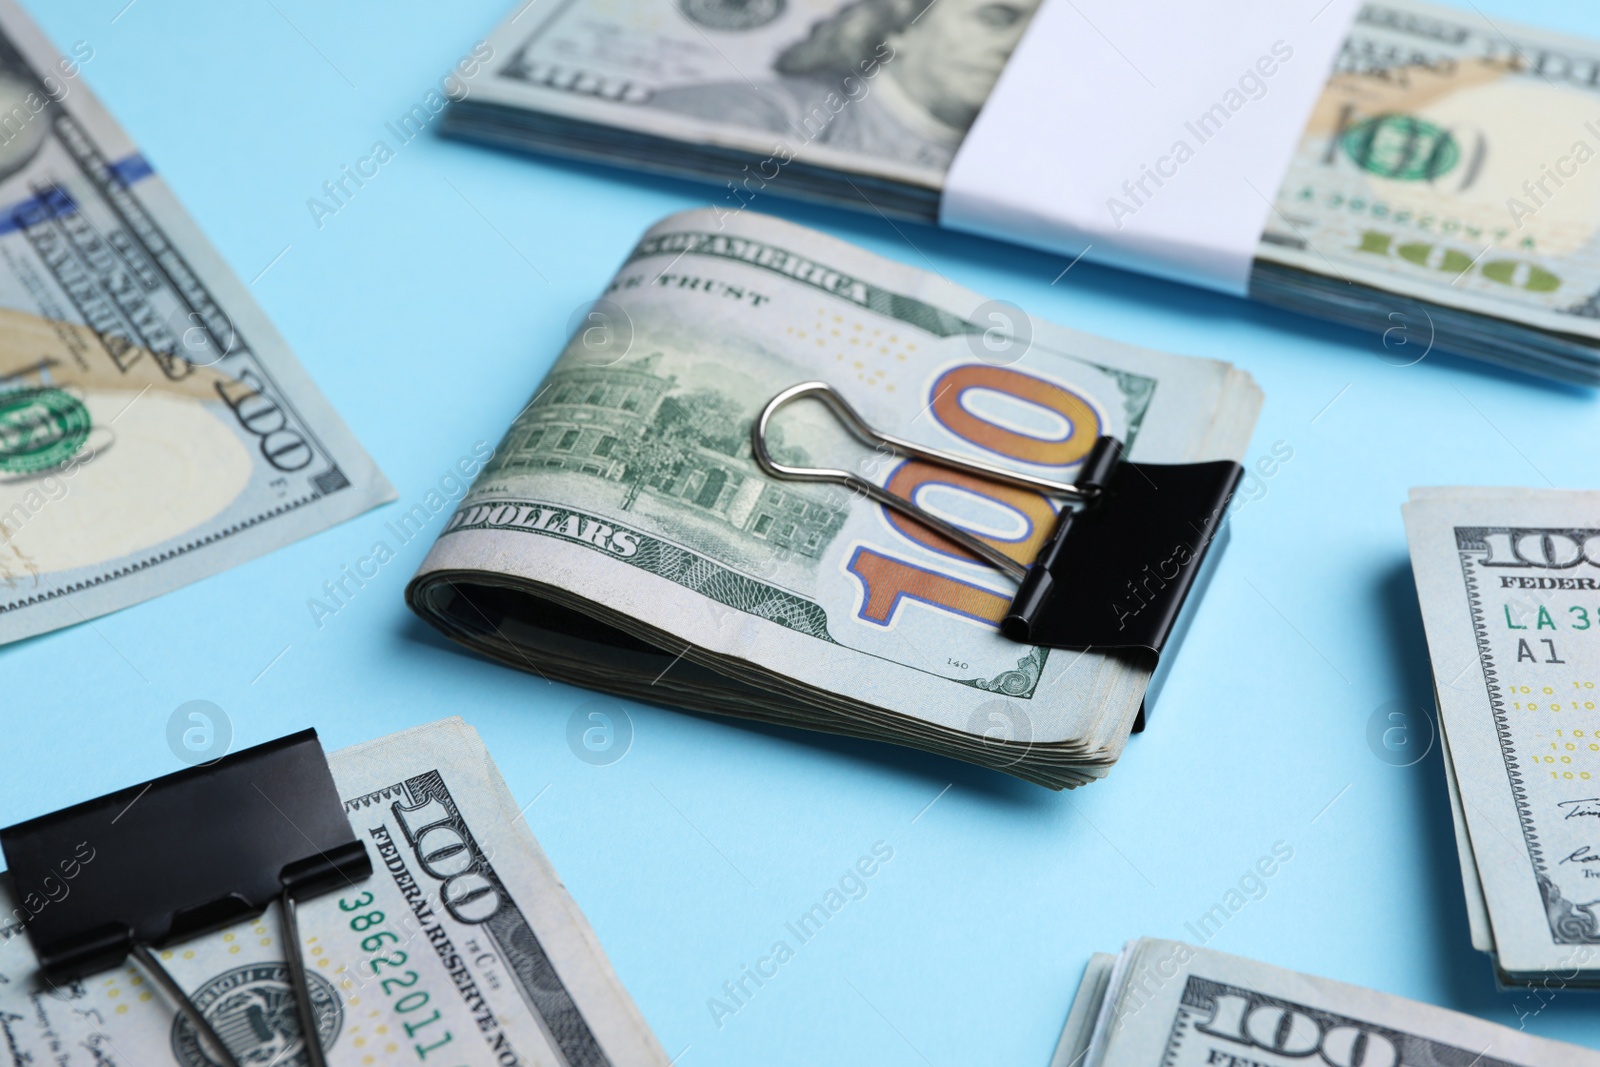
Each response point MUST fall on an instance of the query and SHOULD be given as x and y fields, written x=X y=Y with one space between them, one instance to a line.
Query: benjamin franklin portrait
x=897 y=79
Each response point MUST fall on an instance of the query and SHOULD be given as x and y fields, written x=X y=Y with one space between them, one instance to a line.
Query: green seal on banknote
x=1403 y=147
x=40 y=428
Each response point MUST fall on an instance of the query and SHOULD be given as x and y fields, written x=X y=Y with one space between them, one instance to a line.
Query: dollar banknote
x=812 y=97
x=461 y=948
x=1444 y=190
x=1441 y=195
x=1509 y=583
x=1180 y=1006
x=624 y=538
x=154 y=427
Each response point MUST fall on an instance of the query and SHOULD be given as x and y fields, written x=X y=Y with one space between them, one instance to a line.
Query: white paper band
x=1150 y=135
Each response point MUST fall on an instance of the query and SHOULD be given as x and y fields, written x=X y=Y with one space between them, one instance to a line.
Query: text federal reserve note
x=1509 y=582
x=461 y=948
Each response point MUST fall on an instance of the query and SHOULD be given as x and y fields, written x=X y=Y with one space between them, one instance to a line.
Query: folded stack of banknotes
x=496 y=966
x=623 y=538
x=1168 y=1003
x=1509 y=582
x=1441 y=193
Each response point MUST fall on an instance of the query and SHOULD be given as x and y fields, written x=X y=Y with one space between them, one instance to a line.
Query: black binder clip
x=184 y=855
x=1135 y=544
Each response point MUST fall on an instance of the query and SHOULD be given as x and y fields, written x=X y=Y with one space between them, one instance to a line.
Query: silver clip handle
x=867 y=434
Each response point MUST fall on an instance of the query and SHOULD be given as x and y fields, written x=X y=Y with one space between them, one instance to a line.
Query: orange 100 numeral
x=887 y=581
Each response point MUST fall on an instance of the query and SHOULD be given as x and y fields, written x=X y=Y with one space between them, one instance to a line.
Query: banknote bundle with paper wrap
x=1444 y=194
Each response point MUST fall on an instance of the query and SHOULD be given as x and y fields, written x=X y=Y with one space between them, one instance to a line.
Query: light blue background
x=428 y=324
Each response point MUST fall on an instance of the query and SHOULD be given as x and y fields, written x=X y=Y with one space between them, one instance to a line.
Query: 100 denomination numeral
x=888 y=580
x=1294 y=1033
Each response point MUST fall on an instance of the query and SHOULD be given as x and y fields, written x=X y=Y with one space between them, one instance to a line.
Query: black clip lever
x=1127 y=554
x=187 y=854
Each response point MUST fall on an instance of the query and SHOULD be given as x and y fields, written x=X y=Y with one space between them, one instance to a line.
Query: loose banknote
x=154 y=427
x=462 y=948
x=1444 y=193
x=624 y=538
x=1509 y=583
x=1168 y=1003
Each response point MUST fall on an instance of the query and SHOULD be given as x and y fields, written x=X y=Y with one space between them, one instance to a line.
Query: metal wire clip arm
x=1095 y=470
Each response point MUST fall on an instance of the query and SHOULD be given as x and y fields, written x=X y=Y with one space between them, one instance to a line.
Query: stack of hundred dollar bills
x=1170 y=1003
x=1444 y=193
x=1509 y=582
x=623 y=538
x=463 y=947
